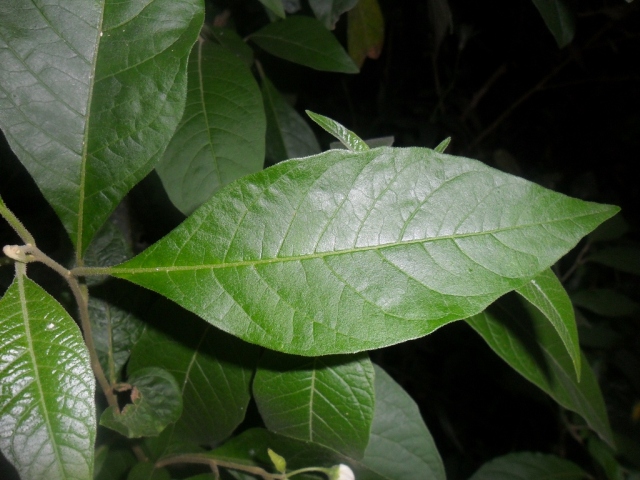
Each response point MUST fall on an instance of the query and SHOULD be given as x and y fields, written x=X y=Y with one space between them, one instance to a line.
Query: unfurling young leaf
x=349 y=139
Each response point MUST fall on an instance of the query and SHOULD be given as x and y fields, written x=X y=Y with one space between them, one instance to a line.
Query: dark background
x=500 y=87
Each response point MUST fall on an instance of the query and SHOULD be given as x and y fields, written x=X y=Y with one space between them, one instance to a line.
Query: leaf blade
x=529 y=466
x=46 y=408
x=350 y=140
x=365 y=34
x=547 y=294
x=91 y=116
x=294 y=248
x=305 y=41
x=559 y=19
x=531 y=346
x=330 y=400
x=221 y=135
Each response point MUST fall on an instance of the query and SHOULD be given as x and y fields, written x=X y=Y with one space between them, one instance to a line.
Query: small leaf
x=525 y=339
x=529 y=466
x=156 y=402
x=548 y=295
x=400 y=447
x=371 y=143
x=213 y=371
x=329 y=11
x=109 y=247
x=442 y=146
x=349 y=139
x=47 y=408
x=305 y=41
x=343 y=251
x=365 y=33
x=559 y=19
x=288 y=135
x=275 y=6
x=115 y=324
x=221 y=135
x=329 y=400
x=278 y=461
x=624 y=258
x=605 y=302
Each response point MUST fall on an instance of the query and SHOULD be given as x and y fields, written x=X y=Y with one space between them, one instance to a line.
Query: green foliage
x=251 y=334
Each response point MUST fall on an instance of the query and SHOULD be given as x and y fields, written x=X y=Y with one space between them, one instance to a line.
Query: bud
x=341 y=472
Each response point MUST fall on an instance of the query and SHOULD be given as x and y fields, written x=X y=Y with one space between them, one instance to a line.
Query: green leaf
x=349 y=139
x=288 y=134
x=365 y=33
x=109 y=247
x=305 y=41
x=329 y=11
x=231 y=41
x=47 y=410
x=400 y=447
x=90 y=97
x=115 y=324
x=605 y=456
x=442 y=146
x=113 y=463
x=328 y=401
x=623 y=258
x=275 y=6
x=156 y=402
x=221 y=135
x=344 y=252
x=559 y=19
x=548 y=295
x=525 y=339
x=529 y=466
x=605 y=302
x=213 y=371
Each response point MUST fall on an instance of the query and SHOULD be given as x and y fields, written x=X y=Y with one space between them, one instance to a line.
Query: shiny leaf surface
x=156 y=402
x=349 y=139
x=305 y=41
x=47 y=410
x=213 y=371
x=548 y=295
x=401 y=446
x=90 y=97
x=344 y=252
x=221 y=135
x=525 y=339
x=325 y=400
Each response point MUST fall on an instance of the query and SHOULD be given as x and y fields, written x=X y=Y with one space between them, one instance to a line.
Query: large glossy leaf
x=525 y=339
x=344 y=252
x=47 y=411
x=306 y=41
x=288 y=135
x=529 y=466
x=366 y=31
x=213 y=371
x=400 y=447
x=548 y=295
x=90 y=94
x=155 y=403
x=329 y=11
x=324 y=400
x=221 y=135
x=559 y=18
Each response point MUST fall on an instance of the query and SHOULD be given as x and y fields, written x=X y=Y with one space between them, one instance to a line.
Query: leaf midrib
x=311 y=256
x=36 y=373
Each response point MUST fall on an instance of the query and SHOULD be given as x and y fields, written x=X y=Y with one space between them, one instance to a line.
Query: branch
x=16 y=224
